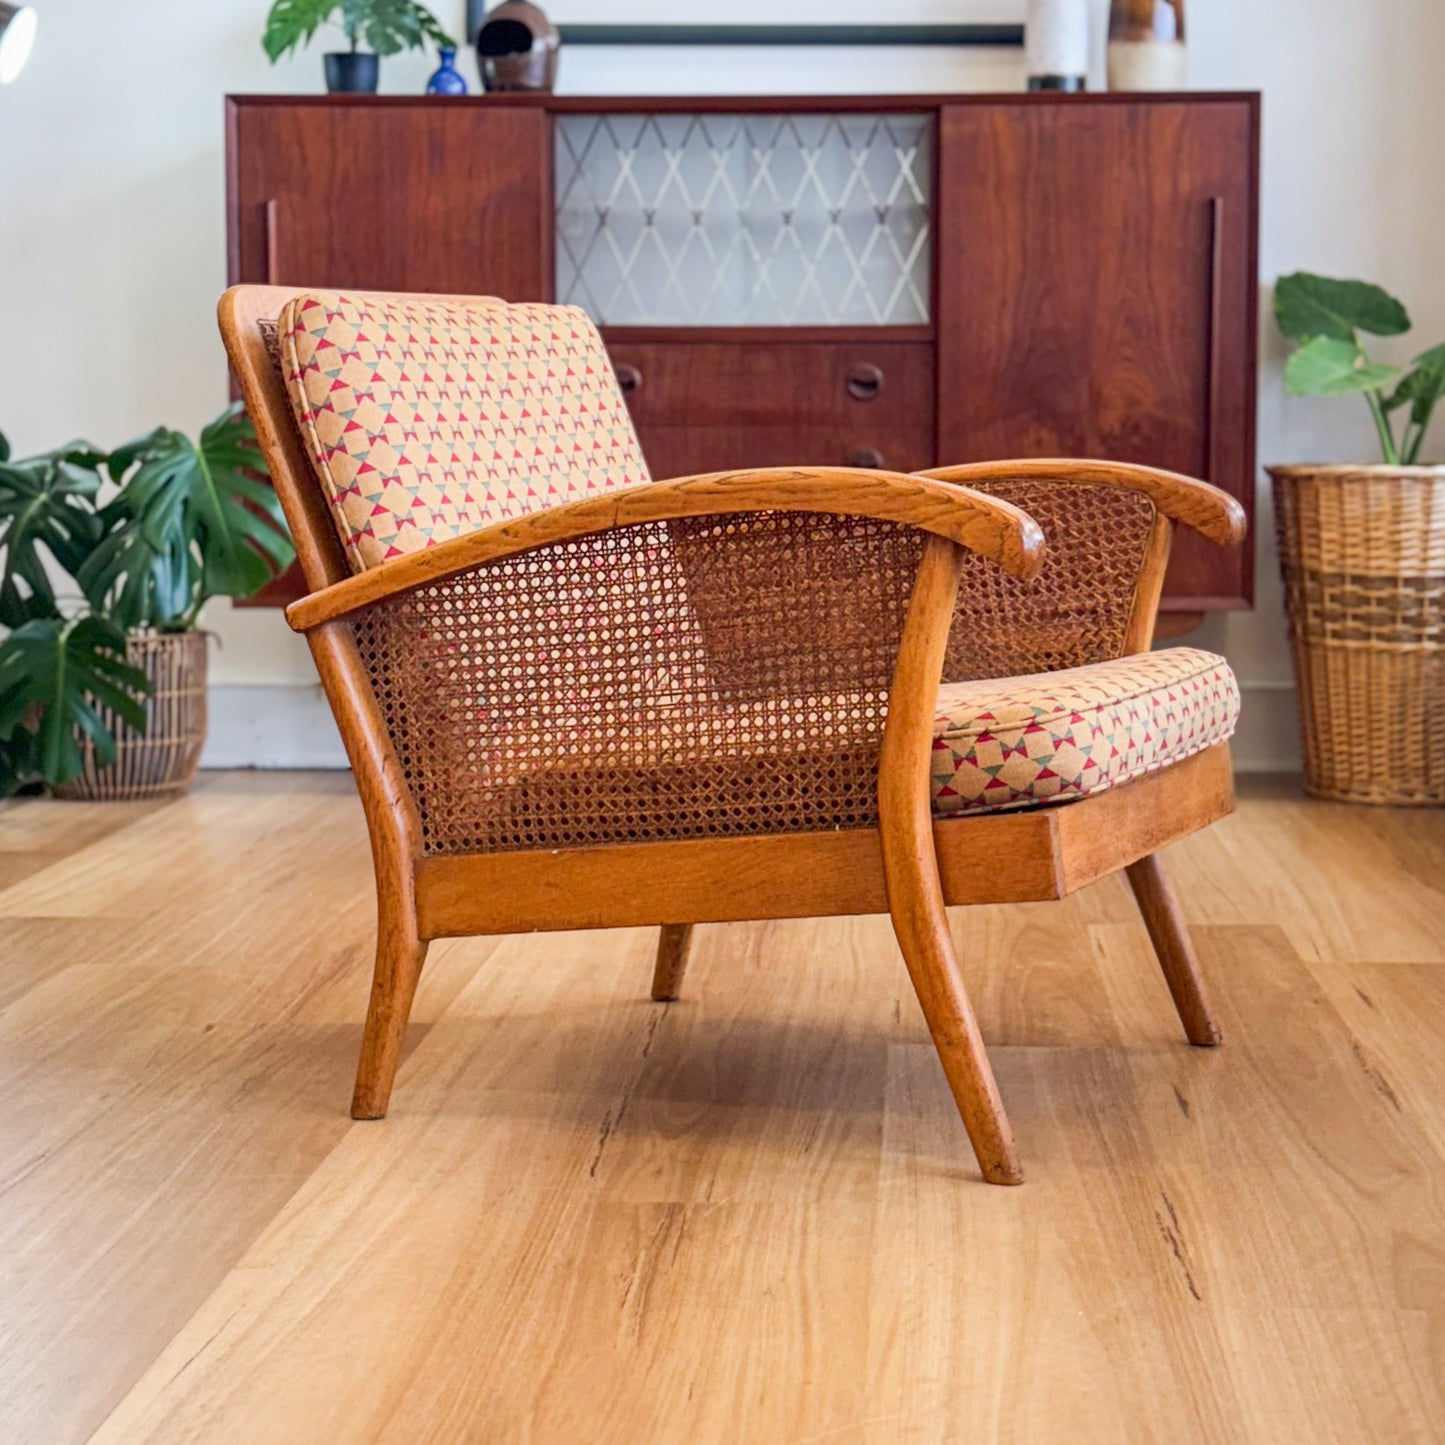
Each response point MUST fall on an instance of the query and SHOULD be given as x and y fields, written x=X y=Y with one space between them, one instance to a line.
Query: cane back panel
x=702 y=678
x=1076 y=611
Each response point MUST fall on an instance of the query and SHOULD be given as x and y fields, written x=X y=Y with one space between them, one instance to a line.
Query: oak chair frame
x=911 y=865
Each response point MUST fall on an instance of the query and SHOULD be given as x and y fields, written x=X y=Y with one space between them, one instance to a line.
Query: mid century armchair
x=573 y=697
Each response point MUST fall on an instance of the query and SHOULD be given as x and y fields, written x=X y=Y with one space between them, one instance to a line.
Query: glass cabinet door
x=727 y=219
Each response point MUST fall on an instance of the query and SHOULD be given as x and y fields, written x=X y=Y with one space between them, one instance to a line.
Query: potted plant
x=386 y=26
x=106 y=696
x=1362 y=548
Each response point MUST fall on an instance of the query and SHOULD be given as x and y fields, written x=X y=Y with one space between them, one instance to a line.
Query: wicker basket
x=1362 y=549
x=163 y=759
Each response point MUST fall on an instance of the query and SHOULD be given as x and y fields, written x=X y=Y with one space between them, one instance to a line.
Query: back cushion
x=428 y=417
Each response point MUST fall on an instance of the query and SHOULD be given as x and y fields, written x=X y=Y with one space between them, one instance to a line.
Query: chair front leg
x=399 y=958
x=394 y=827
x=915 y=894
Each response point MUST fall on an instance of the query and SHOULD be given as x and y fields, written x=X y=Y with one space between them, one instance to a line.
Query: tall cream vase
x=1362 y=549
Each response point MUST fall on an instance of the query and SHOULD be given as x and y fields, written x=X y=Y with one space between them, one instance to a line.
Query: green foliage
x=53 y=673
x=190 y=522
x=1421 y=388
x=47 y=502
x=1325 y=317
x=385 y=26
x=1307 y=306
x=1325 y=366
x=292 y=24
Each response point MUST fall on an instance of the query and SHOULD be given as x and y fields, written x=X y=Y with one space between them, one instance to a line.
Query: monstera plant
x=387 y=27
x=119 y=661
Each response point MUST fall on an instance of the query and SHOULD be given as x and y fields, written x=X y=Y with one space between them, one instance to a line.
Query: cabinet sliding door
x=1096 y=293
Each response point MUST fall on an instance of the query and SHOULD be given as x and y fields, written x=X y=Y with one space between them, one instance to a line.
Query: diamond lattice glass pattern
x=763 y=220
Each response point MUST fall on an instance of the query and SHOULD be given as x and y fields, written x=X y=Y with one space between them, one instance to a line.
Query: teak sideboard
x=900 y=281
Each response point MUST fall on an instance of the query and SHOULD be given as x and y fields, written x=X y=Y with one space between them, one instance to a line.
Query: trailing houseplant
x=386 y=27
x=1362 y=549
x=186 y=521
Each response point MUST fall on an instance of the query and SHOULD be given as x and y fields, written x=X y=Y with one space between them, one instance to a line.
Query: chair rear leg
x=673 y=945
x=1156 y=900
x=399 y=958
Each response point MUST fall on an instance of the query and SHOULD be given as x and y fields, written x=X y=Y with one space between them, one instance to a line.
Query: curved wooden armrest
x=985 y=525
x=1210 y=511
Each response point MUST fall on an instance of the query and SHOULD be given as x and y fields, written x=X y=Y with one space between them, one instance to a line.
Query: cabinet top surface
x=757 y=102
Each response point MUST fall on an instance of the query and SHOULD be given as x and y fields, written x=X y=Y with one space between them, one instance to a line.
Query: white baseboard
x=289 y=726
x=271 y=725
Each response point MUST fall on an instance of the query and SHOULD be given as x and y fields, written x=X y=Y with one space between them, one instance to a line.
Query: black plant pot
x=352 y=72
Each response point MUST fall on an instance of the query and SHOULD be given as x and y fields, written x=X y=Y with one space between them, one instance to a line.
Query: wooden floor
x=748 y=1216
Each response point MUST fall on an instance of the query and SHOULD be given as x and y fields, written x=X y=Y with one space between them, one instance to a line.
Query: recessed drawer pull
x=864 y=457
x=865 y=381
x=629 y=378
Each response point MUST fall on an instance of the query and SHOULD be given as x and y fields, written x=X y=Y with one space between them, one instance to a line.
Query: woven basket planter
x=163 y=759
x=1362 y=549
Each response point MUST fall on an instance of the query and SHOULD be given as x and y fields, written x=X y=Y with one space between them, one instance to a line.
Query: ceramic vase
x=1056 y=44
x=446 y=78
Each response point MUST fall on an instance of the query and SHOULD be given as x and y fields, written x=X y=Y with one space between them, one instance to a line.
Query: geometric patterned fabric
x=429 y=417
x=1052 y=737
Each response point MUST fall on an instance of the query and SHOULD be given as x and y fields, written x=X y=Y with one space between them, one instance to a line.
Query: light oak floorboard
x=747 y=1215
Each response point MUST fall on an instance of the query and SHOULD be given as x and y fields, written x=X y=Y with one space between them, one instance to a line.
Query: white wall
x=112 y=251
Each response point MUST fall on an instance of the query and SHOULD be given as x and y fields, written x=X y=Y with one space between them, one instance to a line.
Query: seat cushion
x=427 y=417
x=1014 y=742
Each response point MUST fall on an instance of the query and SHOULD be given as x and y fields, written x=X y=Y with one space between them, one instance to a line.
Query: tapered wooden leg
x=395 y=829
x=399 y=960
x=933 y=967
x=673 y=944
x=1176 y=956
x=910 y=865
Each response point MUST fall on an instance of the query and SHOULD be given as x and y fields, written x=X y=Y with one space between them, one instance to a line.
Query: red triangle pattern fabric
x=427 y=417
x=1015 y=742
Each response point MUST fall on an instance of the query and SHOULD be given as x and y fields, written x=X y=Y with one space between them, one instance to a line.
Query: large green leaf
x=62 y=670
x=292 y=23
x=1326 y=366
x=1421 y=387
x=389 y=26
x=190 y=522
x=44 y=501
x=1307 y=306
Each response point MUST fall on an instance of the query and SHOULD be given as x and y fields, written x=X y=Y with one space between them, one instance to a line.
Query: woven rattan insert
x=705 y=678
x=1076 y=611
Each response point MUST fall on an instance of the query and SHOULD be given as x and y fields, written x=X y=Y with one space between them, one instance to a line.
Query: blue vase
x=448 y=79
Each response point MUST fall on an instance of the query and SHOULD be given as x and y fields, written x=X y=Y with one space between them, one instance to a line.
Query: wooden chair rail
x=1051 y=853
x=983 y=524
x=1210 y=511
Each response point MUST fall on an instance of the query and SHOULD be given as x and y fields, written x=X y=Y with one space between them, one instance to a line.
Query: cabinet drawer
x=706 y=406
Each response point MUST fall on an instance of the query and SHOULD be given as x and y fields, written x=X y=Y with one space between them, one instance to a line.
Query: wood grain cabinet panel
x=712 y=405
x=1096 y=294
x=1094 y=279
x=423 y=197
